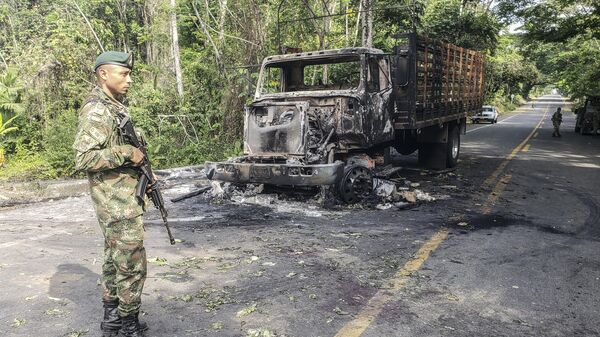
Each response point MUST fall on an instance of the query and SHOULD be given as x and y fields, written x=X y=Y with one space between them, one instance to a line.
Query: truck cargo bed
x=435 y=82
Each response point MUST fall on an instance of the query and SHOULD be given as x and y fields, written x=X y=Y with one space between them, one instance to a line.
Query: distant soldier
x=556 y=121
x=110 y=166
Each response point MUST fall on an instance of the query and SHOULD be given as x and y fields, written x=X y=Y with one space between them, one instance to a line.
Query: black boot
x=131 y=326
x=112 y=322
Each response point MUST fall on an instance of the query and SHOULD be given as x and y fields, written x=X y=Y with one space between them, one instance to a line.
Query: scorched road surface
x=509 y=248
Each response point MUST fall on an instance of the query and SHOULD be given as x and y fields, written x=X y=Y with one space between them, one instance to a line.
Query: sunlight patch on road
x=585 y=165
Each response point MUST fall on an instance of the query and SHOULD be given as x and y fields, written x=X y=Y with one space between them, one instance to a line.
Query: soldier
x=556 y=121
x=111 y=169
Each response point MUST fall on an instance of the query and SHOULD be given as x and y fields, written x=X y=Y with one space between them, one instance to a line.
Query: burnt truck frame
x=302 y=132
x=584 y=124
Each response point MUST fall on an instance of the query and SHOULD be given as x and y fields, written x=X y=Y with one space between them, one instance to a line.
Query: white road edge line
x=500 y=122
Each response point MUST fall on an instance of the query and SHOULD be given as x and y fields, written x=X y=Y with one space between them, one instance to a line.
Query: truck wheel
x=432 y=155
x=356 y=184
x=453 y=147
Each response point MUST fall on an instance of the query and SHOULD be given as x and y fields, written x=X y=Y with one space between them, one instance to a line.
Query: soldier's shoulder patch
x=96 y=111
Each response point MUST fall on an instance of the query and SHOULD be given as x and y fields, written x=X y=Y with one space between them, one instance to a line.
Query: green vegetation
x=47 y=49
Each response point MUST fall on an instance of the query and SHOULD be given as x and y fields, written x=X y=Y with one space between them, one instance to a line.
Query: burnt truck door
x=377 y=120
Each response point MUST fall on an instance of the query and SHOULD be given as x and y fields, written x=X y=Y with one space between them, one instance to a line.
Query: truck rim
x=356 y=183
x=455 y=147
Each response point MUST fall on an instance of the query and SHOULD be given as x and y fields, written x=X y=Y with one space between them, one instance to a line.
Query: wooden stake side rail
x=448 y=81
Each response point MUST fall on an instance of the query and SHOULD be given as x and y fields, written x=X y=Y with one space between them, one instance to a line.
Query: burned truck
x=319 y=118
x=584 y=124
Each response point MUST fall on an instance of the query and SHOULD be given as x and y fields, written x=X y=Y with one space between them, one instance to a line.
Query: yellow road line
x=488 y=182
x=357 y=326
x=495 y=195
x=526 y=148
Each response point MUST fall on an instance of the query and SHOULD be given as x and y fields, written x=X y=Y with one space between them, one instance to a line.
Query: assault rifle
x=147 y=185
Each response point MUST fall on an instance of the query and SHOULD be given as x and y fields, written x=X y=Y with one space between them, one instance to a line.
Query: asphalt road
x=508 y=248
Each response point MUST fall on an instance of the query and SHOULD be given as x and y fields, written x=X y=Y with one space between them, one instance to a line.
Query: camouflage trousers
x=125 y=265
x=556 y=132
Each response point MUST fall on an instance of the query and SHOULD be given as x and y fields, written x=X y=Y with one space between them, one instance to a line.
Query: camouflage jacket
x=100 y=152
x=557 y=118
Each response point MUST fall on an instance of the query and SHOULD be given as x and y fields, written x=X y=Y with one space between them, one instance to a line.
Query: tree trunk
x=175 y=48
x=367 y=23
x=222 y=13
x=204 y=28
x=358 y=19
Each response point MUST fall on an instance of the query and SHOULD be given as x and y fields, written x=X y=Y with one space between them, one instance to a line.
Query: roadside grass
x=25 y=167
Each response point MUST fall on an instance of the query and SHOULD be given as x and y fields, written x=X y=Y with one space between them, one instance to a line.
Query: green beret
x=115 y=57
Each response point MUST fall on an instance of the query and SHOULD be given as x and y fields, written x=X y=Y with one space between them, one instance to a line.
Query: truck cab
x=310 y=112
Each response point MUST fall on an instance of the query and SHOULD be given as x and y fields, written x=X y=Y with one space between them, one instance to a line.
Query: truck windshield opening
x=340 y=73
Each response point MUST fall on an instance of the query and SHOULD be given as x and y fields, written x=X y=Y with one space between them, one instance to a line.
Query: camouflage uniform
x=556 y=121
x=101 y=152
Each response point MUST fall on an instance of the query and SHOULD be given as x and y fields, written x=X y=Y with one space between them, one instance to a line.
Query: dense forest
x=197 y=61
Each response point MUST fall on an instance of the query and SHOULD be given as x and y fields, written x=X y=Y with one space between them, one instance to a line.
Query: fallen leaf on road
x=159 y=261
x=56 y=312
x=217 y=326
x=252 y=259
x=339 y=311
x=226 y=265
x=260 y=333
x=77 y=333
x=17 y=322
x=246 y=311
x=452 y=297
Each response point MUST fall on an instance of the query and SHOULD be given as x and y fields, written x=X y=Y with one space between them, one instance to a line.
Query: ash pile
x=389 y=190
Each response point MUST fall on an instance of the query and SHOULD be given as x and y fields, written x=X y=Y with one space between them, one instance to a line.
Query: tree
x=562 y=37
x=9 y=106
x=467 y=24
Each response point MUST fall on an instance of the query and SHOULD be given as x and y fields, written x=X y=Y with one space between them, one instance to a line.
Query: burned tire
x=452 y=147
x=438 y=156
x=432 y=155
x=356 y=184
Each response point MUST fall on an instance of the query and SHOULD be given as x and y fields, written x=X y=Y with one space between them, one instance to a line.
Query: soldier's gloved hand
x=137 y=157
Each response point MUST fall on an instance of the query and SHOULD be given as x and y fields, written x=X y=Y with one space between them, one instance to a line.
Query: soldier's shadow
x=76 y=287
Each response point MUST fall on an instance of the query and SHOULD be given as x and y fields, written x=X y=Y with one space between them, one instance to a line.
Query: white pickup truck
x=489 y=114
